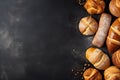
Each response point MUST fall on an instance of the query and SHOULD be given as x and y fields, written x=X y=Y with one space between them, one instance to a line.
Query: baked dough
x=94 y=6
x=98 y=58
x=116 y=58
x=88 y=25
x=113 y=38
x=112 y=73
x=92 y=74
x=114 y=7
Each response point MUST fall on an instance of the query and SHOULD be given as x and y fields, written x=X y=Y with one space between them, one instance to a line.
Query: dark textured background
x=40 y=40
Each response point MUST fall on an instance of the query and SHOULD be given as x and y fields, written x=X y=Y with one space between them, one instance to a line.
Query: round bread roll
x=88 y=26
x=92 y=74
x=114 y=7
x=116 y=58
x=94 y=6
x=112 y=73
x=98 y=58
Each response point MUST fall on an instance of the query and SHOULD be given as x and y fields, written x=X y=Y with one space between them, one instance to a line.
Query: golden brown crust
x=88 y=26
x=116 y=58
x=94 y=6
x=114 y=7
x=113 y=38
x=92 y=74
x=98 y=58
x=112 y=73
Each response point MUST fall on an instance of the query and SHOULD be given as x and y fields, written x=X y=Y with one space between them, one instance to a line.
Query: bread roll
x=88 y=26
x=116 y=58
x=98 y=58
x=114 y=7
x=101 y=34
x=112 y=73
x=113 y=38
x=94 y=6
x=92 y=74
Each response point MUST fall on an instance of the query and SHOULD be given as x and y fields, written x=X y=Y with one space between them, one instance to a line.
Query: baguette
x=102 y=31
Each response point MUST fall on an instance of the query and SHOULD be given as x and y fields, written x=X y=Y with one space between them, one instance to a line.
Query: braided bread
x=98 y=58
x=113 y=38
x=94 y=6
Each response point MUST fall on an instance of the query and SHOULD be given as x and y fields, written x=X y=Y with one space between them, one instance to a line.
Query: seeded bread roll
x=98 y=58
x=92 y=74
x=112 y=73
x=113 y=38
x=94 y=6
x=88 y=26
x=116 y=58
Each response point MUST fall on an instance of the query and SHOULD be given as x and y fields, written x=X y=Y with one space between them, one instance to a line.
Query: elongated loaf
x=98 y=58
x=113 y=38
x=101 y=34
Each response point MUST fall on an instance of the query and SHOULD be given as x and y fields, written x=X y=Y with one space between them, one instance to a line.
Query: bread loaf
x=114 y=7
x=113 y=38
x=92 y=74
x=88 y=26
x=101 y=34
x=98 y=58
x=94 y=6
x=112 y=73
x=116 y=58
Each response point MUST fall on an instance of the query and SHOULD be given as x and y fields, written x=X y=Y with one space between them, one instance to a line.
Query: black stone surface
x=40 y=40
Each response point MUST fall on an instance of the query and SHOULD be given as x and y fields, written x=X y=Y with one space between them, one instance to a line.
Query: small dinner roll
x=112 y=73
x=116 y=58
x=88 y=26
x=114 y=7
x=92 y=74
x=94 y=6
x=98 y=58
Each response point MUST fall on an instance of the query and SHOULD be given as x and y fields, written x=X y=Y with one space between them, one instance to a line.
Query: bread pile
x=105 y=32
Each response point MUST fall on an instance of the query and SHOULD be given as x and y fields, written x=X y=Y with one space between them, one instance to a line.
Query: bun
x=98 y=58
x=114 y=7
x=92 y=74
x=101 y=34
x=113 y=38
x=112 y=73
x=94 y=6
x=88 y=26
x=116 y=58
